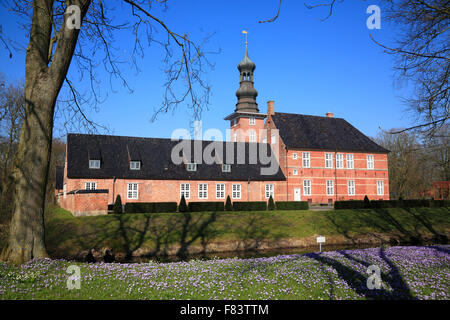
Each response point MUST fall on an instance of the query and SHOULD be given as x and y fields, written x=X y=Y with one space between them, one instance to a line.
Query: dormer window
x=94 y=164
x=191 y=167
x=135 y=165
x=226 y=167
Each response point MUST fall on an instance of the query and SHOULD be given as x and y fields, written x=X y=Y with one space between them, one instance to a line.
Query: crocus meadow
x=405 y=273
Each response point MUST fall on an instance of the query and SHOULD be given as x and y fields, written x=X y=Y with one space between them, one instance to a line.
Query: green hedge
x=292 y=205
x=250 y=206
x=206 y=206
x=144 y=207
x=377 y=204
x=351 y=204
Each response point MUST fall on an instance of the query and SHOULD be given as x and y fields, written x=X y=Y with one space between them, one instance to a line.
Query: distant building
x=318 y=159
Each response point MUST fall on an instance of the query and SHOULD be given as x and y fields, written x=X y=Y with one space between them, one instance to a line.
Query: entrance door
x=297 y=196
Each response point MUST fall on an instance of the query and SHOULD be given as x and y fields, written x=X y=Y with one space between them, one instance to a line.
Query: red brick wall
x=169 y=190
x=243 y=127
x=85 y=204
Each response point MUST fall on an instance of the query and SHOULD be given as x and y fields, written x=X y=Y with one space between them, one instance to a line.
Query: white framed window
x=252 y=137
x=269 y=191
x=203 y=191
x=236 y=191
x=370 y=163
x=235 y=137
x=191 y=167
x=330 y=187
x=94 y=164
x=350 y=162
x=328 y=160
x=220 y=190
x=90 y=185
x=351 y=187
x=132 y=191
x=295 y=172
x=339 y=161
x=251 y=121
x=294 y=156
x=380 y=188
x=185 y=190
x=264 y=139
x=226 y=167
x=307 y=187
x=306 y=156
x=135 y=165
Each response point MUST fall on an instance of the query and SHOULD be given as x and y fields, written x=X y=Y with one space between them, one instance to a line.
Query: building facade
x=291 y=157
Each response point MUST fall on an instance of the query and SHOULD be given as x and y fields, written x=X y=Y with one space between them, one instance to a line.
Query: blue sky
x=305 y=65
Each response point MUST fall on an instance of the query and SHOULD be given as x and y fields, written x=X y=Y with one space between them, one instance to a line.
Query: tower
x=246 y=121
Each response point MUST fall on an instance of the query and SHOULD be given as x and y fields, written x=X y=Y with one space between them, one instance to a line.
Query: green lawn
x=406 y=273
x=67 y=236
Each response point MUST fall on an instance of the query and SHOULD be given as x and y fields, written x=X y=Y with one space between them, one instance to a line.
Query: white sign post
x=320 y=240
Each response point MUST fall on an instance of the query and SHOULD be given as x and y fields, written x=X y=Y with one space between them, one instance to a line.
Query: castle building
x=291 y=157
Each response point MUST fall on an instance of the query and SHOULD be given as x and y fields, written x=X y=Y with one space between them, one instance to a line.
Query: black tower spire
x=246 y=93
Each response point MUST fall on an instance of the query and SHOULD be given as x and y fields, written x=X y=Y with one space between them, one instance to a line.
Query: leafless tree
x=12 y=109
x=53 y=45
x=421 y=54
x=409 y=169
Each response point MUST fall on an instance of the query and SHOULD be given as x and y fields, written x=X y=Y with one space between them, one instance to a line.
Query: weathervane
x=245 y=32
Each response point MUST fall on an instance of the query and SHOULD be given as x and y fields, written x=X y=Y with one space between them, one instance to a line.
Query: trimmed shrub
x=147 y=207
x=292 y=205
x=366 y=202
x=350 y=204
x=416 y=203
x=250 y=206
x=379 y=204
x=138 y=207
x=118 y=205
x=164 y=207
x=271 y=205
x=183 y=207
x=206 y=206
x=228 y=205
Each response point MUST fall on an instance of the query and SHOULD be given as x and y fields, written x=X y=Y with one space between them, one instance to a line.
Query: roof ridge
x=308 y=115
x=162 y=139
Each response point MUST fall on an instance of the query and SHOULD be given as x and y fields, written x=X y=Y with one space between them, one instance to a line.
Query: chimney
x=270 y=107
x=329 y=114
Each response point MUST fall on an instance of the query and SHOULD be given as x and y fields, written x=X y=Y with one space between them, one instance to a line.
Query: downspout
x=335 y=176
x=114 y=183
x=248 y=189
x=287 y=174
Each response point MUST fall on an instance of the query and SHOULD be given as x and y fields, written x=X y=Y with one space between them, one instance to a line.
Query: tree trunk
x=31 y=166
x=44 y=76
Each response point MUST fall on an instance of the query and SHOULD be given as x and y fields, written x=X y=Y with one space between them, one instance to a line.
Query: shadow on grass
x=358 y=281
x=154 y=235
x=406 y=227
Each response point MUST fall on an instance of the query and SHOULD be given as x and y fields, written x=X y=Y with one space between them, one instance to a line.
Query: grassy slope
x=67 y=235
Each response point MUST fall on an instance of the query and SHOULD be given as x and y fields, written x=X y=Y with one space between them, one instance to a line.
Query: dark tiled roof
x=115 y=152
x=300 y=131
x=59 y=183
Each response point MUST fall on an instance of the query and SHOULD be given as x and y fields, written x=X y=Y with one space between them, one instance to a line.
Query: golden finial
x=245 y=32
